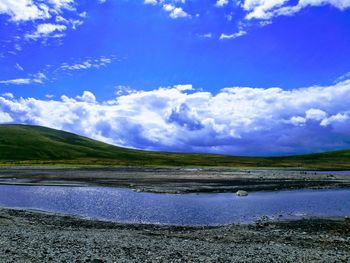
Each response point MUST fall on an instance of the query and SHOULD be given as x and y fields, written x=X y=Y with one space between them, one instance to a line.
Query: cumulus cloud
x=175 y=12
x=237 y=120
x=338 y=118
x=5 y=117
x=316 y=114
x=87 y=97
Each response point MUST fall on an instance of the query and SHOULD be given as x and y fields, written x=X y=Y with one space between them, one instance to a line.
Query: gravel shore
x=29 y=236
x=175 y=180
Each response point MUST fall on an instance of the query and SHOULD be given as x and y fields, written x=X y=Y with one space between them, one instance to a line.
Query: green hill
x=35 y=145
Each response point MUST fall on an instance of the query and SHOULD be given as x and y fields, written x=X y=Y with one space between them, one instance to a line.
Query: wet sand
x=175 y=180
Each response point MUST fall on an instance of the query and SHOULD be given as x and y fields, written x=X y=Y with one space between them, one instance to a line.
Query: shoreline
x=175 y=180
x=263 y=220
x=31 y=236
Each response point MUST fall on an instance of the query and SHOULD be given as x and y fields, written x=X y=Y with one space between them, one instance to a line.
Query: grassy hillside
x=24 y=144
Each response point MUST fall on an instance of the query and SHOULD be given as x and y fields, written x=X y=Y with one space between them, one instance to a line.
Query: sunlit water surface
x=125 y=205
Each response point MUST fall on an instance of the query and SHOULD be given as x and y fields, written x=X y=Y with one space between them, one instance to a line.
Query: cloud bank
x=237 y=120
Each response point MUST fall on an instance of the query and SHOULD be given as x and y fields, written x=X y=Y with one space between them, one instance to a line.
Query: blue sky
x=92 y=59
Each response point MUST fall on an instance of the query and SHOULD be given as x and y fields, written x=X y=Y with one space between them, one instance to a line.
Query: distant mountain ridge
x=36 y=145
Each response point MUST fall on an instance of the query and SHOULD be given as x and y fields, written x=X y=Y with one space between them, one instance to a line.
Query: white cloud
x=344 y=77
x=62 y=4
x=88 y=63
x=236 y=120
x=74 y=23
x=26 y=10
x=43 y=19
x=47 y=30
x=19 y=67
x=39 y=78
x=23 y=10
x=19 y=81
x=151 y=2
x=233 y=36
x=83 y=65
x=298 y=121
x=175 y=12
x=87 y=97
x=334 y=119
x=229 y=17
x=36 y=78
x=122 y=90
x=316 y=114
x=263 y=11
x=178 y=12
x=208 y=35
x=260 y=8
x=8 y=95
x=170 y=6
x=267 y=9
x=5 y=117
x=221 y=3
x=183 y=87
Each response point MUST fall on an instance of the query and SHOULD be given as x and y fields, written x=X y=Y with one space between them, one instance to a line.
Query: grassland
x=35 y=145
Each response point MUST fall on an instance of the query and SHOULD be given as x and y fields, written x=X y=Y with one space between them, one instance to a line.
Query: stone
x=241 y=193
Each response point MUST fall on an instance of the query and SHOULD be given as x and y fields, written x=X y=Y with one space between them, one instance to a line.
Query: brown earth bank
x=175 y=180
x=29 y=236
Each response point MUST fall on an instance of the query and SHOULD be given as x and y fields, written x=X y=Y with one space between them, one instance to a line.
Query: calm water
x=124 y=205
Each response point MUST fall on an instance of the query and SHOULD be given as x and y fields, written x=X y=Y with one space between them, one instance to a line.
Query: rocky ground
x=36 y=237
x=175 y=180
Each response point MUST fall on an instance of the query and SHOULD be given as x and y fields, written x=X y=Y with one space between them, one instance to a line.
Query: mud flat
x=176 y=180
x=29 y=236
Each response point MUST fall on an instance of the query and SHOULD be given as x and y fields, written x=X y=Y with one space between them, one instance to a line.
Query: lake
x=127 y=206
